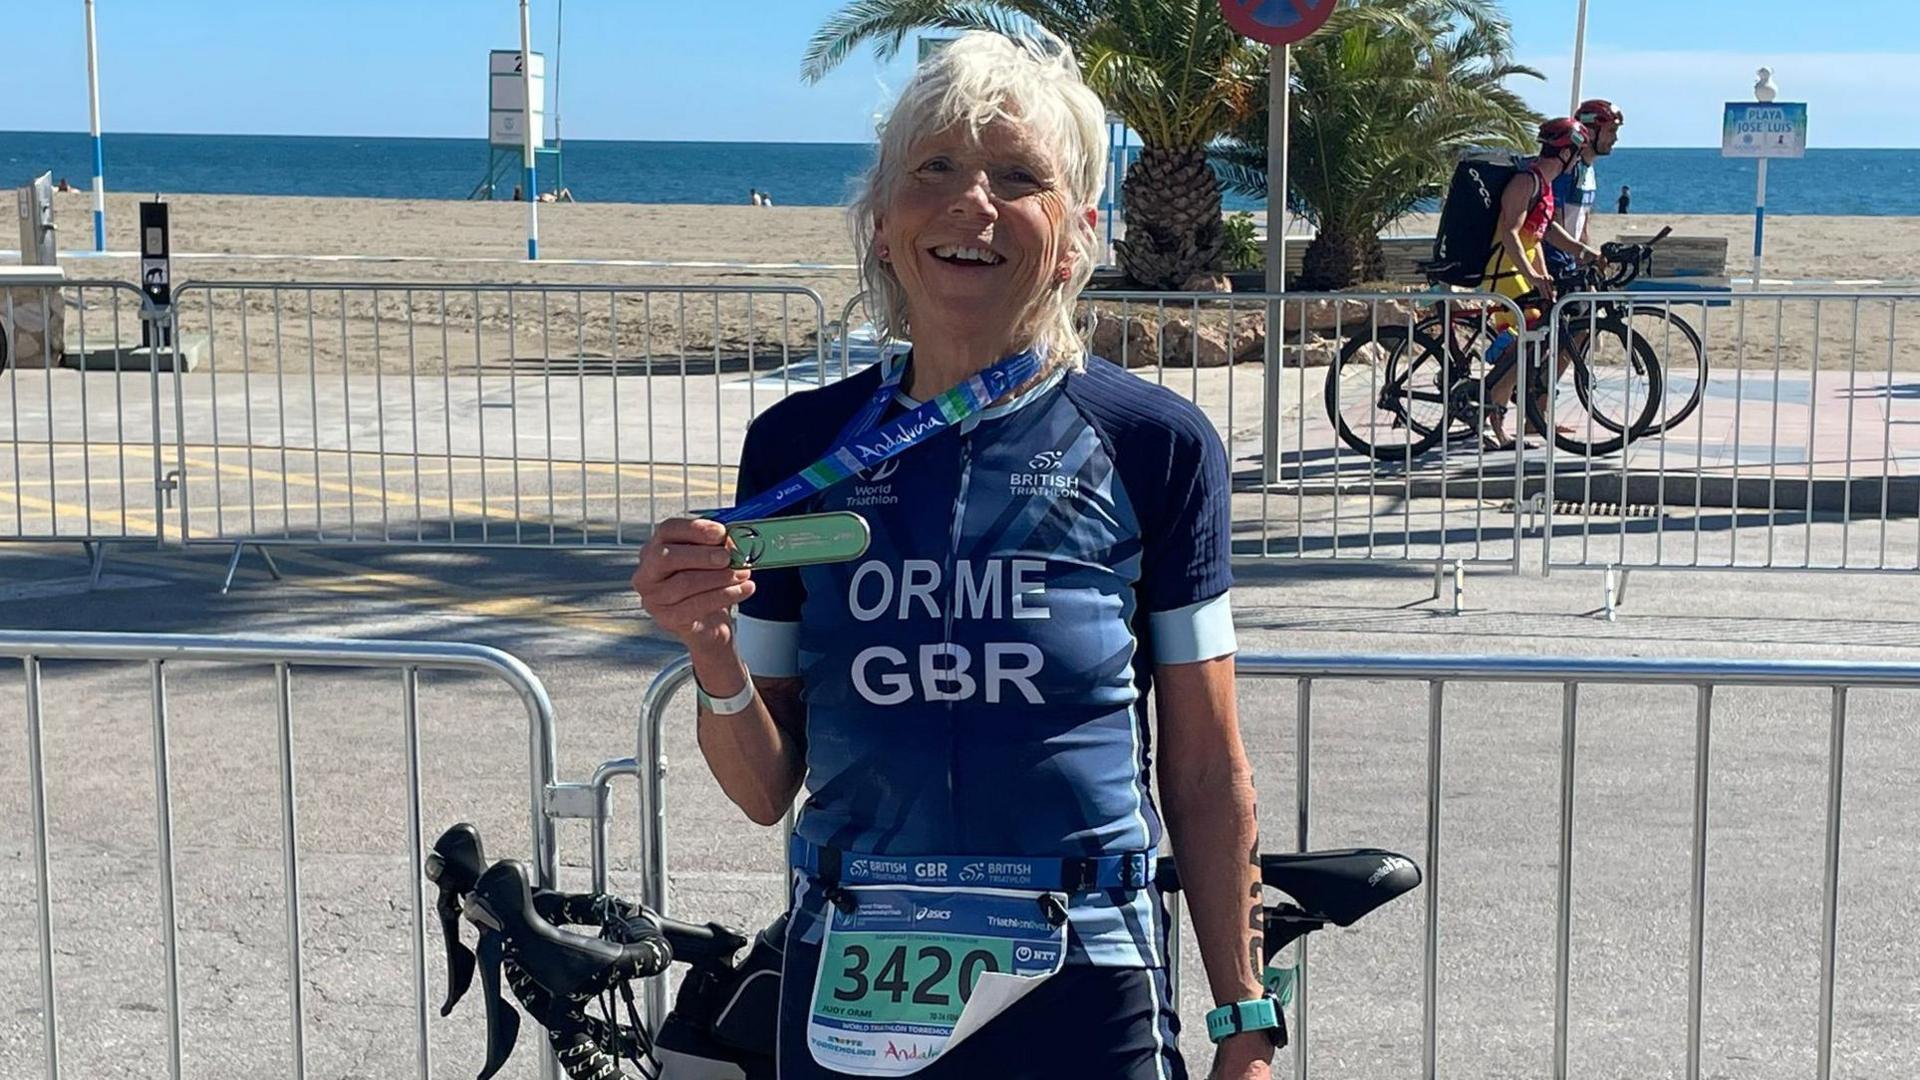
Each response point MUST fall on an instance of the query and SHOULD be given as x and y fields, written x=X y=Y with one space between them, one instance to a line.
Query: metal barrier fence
x=499 y=415
x=1438 y=674
x=576 y=415
x=159 y=652
x=81 y=414
x=1788 y=437
x=1296 y=423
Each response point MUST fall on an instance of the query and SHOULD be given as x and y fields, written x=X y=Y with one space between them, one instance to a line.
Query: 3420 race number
x=931 y=982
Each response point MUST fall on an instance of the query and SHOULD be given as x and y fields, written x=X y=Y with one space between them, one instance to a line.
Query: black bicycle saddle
x=566 y=964
x=1330 y=886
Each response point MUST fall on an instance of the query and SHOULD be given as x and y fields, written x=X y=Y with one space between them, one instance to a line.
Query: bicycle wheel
x=1683 y=360
x=1611 y=404
x=1386 y=393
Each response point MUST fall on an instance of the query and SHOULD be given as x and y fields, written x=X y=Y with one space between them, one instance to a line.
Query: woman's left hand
x=1247 y=1056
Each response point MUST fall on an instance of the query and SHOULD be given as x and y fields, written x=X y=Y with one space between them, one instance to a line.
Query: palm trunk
x=1337 y=258
x=1173 y=217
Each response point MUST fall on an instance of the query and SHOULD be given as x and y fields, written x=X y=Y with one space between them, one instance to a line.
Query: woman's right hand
x=685 y=583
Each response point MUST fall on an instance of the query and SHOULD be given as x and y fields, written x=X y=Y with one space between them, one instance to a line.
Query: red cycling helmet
x=1599 y=112
x=1565 y=133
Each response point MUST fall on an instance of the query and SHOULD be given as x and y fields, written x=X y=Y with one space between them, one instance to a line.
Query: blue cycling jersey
x=1574 y=192
x=977 y=682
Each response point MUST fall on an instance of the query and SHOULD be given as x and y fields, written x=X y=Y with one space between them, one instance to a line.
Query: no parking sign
x=1276 y=22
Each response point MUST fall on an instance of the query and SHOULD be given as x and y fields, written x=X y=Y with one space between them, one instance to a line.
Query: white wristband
x=727 y=706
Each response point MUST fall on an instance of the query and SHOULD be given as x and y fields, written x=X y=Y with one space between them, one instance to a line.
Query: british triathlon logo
x=1045 y=477
x=875 y=488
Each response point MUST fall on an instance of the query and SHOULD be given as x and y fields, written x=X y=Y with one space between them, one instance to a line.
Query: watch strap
x=1259 y=1014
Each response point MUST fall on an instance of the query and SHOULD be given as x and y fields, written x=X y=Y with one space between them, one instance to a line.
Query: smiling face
x=975 y=231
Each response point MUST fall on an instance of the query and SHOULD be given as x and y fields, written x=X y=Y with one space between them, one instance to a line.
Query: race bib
x=909 y=972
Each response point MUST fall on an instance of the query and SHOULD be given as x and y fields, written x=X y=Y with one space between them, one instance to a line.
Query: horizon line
x=712 y=142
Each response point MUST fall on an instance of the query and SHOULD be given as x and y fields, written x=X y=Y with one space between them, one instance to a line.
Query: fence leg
x=1439 y=574
x=1459 y=585
x=97 y=555
x=1616 y=587
x=233 y=565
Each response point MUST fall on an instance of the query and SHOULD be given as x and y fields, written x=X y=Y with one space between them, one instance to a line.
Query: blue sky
x=665 y=69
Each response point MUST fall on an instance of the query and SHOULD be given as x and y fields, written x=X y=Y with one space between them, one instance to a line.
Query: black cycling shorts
x=1105 y=1022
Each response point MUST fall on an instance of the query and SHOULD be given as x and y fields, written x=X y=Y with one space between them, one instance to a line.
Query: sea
x=1674 y=181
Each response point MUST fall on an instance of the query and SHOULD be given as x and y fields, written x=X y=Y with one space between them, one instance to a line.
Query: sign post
x=1763 y=129
x=1277 y=23
x=529 y=136
x=99 y=158
x=1579 y=56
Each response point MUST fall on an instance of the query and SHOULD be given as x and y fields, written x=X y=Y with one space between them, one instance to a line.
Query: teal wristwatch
x=1260 y=1014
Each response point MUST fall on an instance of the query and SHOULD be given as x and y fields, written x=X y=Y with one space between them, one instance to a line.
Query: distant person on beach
x=766 y=199
x=517 y=196
x=1626 y=198
x=63 y=185
x=1575 y=193
x=754 y=194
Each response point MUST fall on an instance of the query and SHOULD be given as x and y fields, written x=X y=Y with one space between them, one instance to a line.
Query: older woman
x=967 y=703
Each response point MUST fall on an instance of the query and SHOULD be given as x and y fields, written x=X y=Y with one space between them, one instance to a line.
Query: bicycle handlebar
x=556 y=973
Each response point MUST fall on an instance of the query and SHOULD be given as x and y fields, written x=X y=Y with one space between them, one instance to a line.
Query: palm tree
x=1385 y=99
x=1173 y=70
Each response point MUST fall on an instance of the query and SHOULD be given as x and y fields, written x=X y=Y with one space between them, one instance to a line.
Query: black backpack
x=1465 y=241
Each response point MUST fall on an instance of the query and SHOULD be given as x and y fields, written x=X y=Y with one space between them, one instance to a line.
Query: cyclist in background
x=1576 y=190
x=1518 y=267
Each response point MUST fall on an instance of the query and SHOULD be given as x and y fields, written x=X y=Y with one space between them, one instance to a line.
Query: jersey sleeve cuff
x=1186 y=635
x=768 y=647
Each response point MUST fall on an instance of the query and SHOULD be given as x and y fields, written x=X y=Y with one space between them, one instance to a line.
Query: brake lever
x=454 y=864
x=503 y=1021
x=460 y=959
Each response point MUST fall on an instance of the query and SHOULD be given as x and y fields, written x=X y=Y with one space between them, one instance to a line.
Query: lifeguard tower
x=504 y=112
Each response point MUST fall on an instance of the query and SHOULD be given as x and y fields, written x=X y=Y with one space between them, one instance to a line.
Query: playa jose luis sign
x=1276 y=22
x=1775 y=129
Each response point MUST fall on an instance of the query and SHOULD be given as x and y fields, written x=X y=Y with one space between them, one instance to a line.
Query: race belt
x=834 y=866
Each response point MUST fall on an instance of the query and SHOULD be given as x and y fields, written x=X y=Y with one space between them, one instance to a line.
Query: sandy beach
x=446 y=243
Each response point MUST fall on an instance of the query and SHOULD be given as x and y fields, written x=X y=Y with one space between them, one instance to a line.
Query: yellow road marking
x=352 y=578
x=99 y=515
x=678 y=479
x=431 y=464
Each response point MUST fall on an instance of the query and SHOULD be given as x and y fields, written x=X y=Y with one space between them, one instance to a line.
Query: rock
x=1185 y=345
x=1207 y=281
x=1317 y=352
x=1250 y=341
x=1131 y=341
x=1345 y=316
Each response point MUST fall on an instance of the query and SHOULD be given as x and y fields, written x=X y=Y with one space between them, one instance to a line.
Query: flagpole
x=1579 y=57
x=99 y=157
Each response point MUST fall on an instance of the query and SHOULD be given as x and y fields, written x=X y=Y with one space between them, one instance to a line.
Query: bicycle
x=1417 y=380
x=1683 y=356
x=723 y=1022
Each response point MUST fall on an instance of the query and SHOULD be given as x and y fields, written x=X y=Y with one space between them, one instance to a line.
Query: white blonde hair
x=980 y=78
